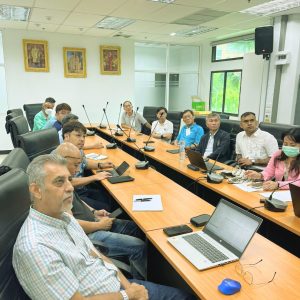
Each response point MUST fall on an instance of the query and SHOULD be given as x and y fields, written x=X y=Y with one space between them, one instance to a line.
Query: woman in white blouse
x=162 y=128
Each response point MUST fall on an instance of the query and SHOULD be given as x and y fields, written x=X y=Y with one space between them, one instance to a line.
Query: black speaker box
x=264 y=40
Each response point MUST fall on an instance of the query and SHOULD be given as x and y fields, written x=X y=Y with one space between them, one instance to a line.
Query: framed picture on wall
x=74 y=62
x=110 y=60
x=35 y=56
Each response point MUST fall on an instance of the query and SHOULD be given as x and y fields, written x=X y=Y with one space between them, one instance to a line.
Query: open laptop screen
x=232 y=226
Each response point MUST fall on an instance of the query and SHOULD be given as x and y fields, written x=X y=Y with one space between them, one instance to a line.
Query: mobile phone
x=176 y=230
x=200 y=220
x=116 y=213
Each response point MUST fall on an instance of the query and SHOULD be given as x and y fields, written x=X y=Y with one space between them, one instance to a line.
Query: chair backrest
x=12 y=114
x=16 y=111
x=202 y=122
x=16 y=158
x=31 y=110
x=175 y=118
x=39 y=142
x=149 y=113
x=17 y=126
x=14 y=207
x=276 y=130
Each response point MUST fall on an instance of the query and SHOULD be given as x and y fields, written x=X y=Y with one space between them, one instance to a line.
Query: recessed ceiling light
x=163 y=1
x=114 y=23
x=173 y=34
x=14 y=13
x=194 y=31
x=272 y=7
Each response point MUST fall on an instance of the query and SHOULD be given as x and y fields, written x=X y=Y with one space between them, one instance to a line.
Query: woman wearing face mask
x=42 y=117
x=284 y=165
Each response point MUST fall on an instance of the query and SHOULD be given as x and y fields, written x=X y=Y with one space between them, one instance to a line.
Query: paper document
x=96 y=156
x=284 y=196
x=147 y=203
x=246 y=187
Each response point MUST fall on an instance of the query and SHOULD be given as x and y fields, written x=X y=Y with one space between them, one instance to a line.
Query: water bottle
x=181 y=150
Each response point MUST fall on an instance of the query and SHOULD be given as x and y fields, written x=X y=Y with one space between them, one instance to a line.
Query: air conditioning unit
x=282 y=58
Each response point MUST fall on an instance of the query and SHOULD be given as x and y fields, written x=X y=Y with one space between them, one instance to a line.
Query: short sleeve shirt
x=190 y=135
x=139 y=120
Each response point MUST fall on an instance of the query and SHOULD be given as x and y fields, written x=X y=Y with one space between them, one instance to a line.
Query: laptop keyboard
x=205 y=248
x=209 y=166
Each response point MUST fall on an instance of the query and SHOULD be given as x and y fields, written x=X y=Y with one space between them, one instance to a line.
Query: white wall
x=93 y=91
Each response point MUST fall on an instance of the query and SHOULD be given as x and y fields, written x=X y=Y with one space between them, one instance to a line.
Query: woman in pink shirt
x=284 y=164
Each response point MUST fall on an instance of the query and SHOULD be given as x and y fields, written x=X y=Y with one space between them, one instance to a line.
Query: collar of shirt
x=256 y=133
x=213 y=134
x=186 y=127
x=42 y=218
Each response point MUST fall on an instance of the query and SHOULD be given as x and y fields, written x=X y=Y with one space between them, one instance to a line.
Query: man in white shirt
x=162 y=128
x=253 y=146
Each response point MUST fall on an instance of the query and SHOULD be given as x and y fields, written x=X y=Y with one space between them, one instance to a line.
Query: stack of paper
x=96 y=156
x=147 y=203
x=284 y=196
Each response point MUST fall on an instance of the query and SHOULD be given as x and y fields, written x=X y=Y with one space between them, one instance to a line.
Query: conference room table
x=281 y=227
x=167 y=266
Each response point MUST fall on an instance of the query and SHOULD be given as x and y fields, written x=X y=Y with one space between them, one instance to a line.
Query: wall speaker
x=264 y=40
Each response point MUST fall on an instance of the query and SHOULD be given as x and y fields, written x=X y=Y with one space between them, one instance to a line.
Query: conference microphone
x=151 y=148
x=102 y=125
x=214 y=177
x=141 y=165
x=113 y=144
x=274 y=204
x=90 y=132
x=119 y=133
x=129 y=139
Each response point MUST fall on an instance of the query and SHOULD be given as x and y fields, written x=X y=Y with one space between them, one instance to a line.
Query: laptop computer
x=223 y=240
x=196 y=159
x=119 y=170
x=295 y=193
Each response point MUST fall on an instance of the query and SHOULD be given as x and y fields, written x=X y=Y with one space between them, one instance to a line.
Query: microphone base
x=275 y=205
x=149 y=148
x=90 y=133
x=102 y=126
x=111 y=146
x=130 y=140
x=214 y=178
x=142 y=165
x=192 y=167
x=118 y=133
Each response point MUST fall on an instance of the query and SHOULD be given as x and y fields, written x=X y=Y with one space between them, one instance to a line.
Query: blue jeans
x=163 y=292
x=124 y=239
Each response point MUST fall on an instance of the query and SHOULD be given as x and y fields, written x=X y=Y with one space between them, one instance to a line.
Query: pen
x=143 y=199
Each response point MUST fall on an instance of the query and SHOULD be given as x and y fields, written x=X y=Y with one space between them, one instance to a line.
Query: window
x=225 y=87
x=232 y=50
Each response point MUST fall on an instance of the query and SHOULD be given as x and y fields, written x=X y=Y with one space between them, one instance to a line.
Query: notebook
x=196 y=159
x=223 y=240
x=295 y=193
x=147 y=203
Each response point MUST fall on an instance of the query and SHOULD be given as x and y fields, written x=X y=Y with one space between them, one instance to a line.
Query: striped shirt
x=53 y=259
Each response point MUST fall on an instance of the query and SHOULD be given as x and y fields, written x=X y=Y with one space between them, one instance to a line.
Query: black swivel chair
x=16 y=111
x=12 y=113
x=14 y=207
x=175 y=118
x=149 y=113
x=17 y=126
x=16 y=158
x=31 y=110
x=39 y=142
x=202 y=122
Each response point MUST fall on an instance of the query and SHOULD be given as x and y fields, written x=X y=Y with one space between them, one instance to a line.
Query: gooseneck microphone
x=129 y=139
x=91 y=132
x=141 y=165
x=102 y=125
x=214 y=177
x=119 y=133
x=151 y=148
x=113 y=144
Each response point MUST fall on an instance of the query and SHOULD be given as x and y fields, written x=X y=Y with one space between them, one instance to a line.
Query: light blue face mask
x=290 y=151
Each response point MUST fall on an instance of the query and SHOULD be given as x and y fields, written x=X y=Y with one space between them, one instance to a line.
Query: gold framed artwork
x=74 y=62
x=110 y=60
x=35 y=56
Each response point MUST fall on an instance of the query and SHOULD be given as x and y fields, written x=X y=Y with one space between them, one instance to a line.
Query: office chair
x=31 y=110
x=17 y=126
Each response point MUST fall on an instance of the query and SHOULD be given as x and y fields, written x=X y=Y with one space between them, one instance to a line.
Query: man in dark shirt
x=215 y=144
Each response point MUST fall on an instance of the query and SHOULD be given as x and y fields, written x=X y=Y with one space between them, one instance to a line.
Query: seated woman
x=162 y=128
x=284 y=164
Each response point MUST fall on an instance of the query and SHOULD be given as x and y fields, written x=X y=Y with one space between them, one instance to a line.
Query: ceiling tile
x=237 y=5
x=101 y=7
x=199 y=3
x=71 y=29
x=57 y=4
x=82 y=20
x=13 y=24
x=27 y=3
x=42 y=27
x=100 y=32
x=40 y=15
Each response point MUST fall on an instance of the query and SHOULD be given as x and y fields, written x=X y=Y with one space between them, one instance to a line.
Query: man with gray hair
x=215 y=144
x=54 y=259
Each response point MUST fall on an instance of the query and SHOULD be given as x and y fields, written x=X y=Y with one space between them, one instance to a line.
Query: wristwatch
x=124 y=295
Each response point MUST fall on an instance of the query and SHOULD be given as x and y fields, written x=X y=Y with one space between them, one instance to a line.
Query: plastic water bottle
x=181 y=150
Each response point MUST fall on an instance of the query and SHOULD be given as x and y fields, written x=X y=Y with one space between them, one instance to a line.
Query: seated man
x=215 y=144
x=41 y=118
x=129 y=115
x=121 y=237
x=54 y=259
x=162 y=128
x=253 y=146
x=75 y=133
x=191 y=132
x=68 y=118
x=61 y=110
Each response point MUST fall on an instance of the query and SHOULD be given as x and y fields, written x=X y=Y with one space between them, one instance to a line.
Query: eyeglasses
x=248 y=276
